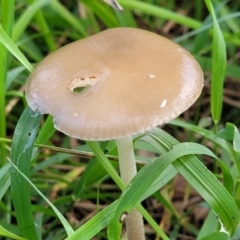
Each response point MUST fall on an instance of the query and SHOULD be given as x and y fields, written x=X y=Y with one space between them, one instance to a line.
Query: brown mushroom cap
x=134 y=79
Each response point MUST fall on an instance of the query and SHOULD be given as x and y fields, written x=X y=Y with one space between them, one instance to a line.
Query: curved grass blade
x=197 y=168
x=94 y=225
x=112 y=172
x=4 y=232
x=21 y=154
x=11 y=46
x=130 y=196
x=65 y=223
x=231 y=133
x=219 y=64
x=195 y=173
x=205 y=26
x=227 y=177
x=99 y=221
x=102 y=12
x=236 y=139
x=217 y=235
x=213 y=137
x=26 y=17
x=12 y=75
x=62 y=11
x=160 y=12
x=45 y=30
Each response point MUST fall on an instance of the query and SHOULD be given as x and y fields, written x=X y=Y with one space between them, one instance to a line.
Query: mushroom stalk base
x=128 y=169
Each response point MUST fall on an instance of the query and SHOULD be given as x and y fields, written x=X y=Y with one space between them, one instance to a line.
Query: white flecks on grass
x=222 y=229
x=31 y=138
x=35 y=114
x=163 y=104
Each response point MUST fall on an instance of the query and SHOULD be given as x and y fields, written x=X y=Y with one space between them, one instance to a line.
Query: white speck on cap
x=151 y=76
x=163 y=104
x=117 y=101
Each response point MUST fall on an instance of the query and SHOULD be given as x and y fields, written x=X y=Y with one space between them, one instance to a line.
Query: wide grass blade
x=21 y=155
x=219 y=64
x=101 y=220
x=4 y=232
x=217 y=236
x=214 y=138
x=191 y=169
x=112 y=172
x=94 y=225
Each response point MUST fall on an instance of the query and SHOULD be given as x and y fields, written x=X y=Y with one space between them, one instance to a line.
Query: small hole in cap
x=79 y=89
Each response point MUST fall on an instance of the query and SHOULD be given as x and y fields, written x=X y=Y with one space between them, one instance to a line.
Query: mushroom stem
x=128 y=169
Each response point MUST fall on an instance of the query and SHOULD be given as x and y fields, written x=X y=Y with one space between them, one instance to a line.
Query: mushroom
x=112 y=85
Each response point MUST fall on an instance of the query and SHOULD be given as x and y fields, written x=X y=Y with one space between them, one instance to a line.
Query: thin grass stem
x=7 y=13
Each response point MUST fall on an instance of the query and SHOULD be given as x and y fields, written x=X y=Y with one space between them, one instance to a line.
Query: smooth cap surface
x=134 y=80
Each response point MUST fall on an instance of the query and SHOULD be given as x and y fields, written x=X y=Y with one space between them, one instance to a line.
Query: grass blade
x=7 y=19
x=46 y=131
x=11 y=46
x=26 y=17
x=4 y=179
x=4 y=232
x=232 y=71
x=21 y=154
x=213 y=137
x=71 y=19
x=130 y=196
x=219 y=64
x=99 y=221
x=112 y=172
x=44 y=29
x=102 y=12
x=160 y=12
x=65 y=223
x=217 y=235
x=195 y=173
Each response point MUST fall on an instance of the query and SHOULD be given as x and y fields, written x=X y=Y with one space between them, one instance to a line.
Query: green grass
x=60 y=188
